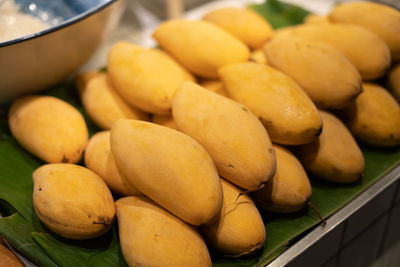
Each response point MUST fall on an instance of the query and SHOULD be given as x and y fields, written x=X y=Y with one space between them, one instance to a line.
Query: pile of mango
x=226 y=114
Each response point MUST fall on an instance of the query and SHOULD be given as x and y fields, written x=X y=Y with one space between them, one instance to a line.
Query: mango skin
x=49 y=128
x=215 y=86
x=169 y=167
x=200 y=46
x=165 y=120
x=83 y=78
x=289 y=190
x=232 y=135
x=145 y=78
x=372 y=59
x=394 y=82
x=104 y=106
x=240 y=229
x=381 y=19
x=316 y=19
x=374 y=117
x=72 y=201
x=99 y=159
x=335 y=156
x=329 y=79
x=151 y=236
x=247 y=25
x=258 y=56
x=285 y=110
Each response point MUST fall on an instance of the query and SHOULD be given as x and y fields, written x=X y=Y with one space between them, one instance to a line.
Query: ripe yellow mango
x=200 y=46
x=215 y=86
x=83 y=78
x=165 y=120
x=335 y=156
x=378 y=18
x=151 y=236
x=374 y=117
x=240 y=229
x=104 y=105
x=169 y=167
x=286 y=111
x=328 y=78
x=258 y=56
x=289 y=190
x=49 y=128
x=145 y=78
x=232 y=135
x=99 y=159
x=72 y=201
x=316 y=19
x=363 y=48
x=394 y=81
x=247 y=25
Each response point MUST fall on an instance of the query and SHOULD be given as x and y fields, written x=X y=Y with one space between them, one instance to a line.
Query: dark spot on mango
x=243 y=108
x=64 y=159
x=103 y=220
x=391 y=136
x=231 y=166
x=40 y=189
x=270 y=150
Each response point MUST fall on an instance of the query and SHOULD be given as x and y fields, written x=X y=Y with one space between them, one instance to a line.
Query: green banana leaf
x=280 y=14
x=23 y=230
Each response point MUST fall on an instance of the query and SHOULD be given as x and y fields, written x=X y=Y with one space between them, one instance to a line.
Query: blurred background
x=142 y=16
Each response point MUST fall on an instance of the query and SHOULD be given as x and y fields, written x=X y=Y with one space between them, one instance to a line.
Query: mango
x=231 y=134
x=83 y=78
x=200 y=46
x=328 y=78
x=316 y=19
x=374 y=117
x=258 y=56
x=286 y=111
x=72 y=201
x=289 y=190
x=165 y=120
x=145 y=78
x=103 y=105
x=215 y=86
x=99 y=159
x=335 y=156
x=245 y=24
x=49 y=128
x=151 y=236
x=378 y=18
x=169 y=167
x=240 y=229
x=394 y=81
x=371 y=59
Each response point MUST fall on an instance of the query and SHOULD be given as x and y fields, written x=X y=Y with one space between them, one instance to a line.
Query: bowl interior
x=55 y=12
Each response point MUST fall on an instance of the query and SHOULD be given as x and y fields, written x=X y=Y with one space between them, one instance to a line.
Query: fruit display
x=211 y=147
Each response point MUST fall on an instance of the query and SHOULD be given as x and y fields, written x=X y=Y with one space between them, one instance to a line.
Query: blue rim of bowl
x=59 y=26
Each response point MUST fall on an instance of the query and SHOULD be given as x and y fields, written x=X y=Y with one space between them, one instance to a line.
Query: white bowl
x=41 y=60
